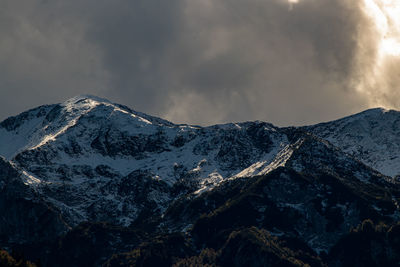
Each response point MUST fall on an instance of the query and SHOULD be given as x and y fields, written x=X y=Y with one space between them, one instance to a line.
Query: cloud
x=199 y=62
x=380 y=74
x=44 y=56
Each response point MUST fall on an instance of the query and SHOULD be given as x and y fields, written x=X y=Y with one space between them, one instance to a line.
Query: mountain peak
x=83 y=97
x=91 y=160
x=373 y=136
x=373 y=112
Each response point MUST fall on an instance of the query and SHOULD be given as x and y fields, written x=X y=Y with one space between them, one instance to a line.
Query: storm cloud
x=198 y=62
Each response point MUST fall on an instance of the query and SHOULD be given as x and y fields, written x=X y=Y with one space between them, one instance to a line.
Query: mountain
x=372 y=136
x=72 y=151
x=133 y=189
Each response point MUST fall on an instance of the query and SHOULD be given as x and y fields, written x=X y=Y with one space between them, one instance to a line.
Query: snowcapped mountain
x=307 y=183
x=87 y=156
x=372 y=136
x=309 y=154
x=91 y=160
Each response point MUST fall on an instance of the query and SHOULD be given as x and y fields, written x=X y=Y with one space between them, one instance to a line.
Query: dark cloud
x=44 y=56
x=202 y=62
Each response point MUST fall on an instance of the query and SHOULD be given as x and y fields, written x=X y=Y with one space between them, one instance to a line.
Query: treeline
x=7 y=260
x=368 y=244
x=246 y=247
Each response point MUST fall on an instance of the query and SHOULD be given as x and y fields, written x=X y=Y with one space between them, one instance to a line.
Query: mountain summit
x=89 y=160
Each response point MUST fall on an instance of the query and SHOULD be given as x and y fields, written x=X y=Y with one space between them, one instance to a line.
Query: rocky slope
x=372 y=136
x=316 y=195
x=25 y=217
x=99 y=161
x=89 y=171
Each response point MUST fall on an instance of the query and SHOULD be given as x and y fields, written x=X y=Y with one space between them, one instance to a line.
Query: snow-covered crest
x=88 y=145
x=103 y=155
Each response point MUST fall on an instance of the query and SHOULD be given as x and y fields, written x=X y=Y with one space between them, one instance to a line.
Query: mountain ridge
x=91 y=161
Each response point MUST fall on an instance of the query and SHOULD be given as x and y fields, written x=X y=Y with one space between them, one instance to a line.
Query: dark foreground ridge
x=92 y=183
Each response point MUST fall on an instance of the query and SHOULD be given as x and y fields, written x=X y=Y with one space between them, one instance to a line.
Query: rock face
x=372 y=136
x=89 y=170
x=98 y=161
x=24 y=216
x=316 y=196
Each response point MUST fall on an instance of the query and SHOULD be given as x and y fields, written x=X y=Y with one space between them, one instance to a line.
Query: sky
x=289 y=62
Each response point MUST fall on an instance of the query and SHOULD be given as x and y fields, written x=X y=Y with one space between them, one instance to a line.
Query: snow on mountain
x=37 y=127
x=88 y=156
x=25 y=216
x=89 y=159
x=312 y=155
x=265 y=166
x=373 y=136
x=100 y=161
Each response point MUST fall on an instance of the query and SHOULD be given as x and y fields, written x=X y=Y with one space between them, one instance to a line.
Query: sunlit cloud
x=291 y=3
x=382 y=84
x=386 y=15
x=390 y=47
